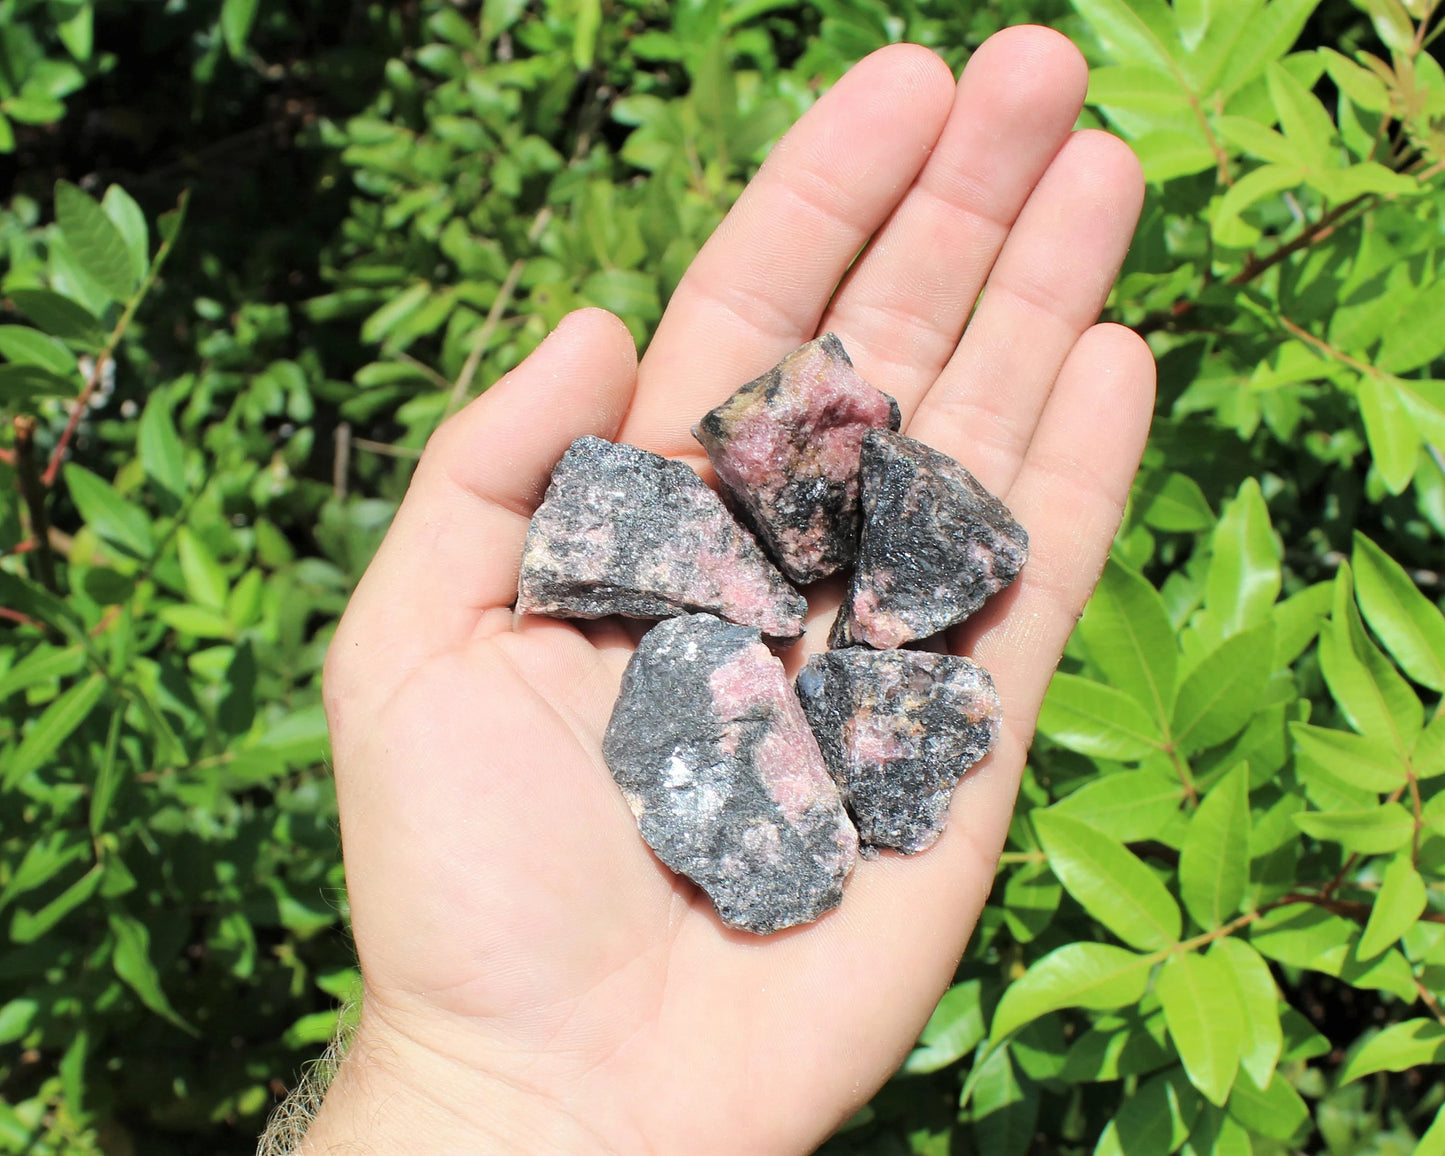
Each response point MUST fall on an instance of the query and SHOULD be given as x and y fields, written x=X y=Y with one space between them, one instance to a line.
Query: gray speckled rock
x=935 y=545
x=624 y=531
x=898 y=728
x=785 y=447
x=715 y=758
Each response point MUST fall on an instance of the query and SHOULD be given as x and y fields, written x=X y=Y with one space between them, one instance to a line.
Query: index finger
x=757 y=289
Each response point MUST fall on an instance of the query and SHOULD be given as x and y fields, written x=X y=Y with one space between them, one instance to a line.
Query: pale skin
x=535 y=980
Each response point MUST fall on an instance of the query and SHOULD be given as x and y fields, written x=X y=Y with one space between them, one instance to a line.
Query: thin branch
x=387 y=448
x=97 y=372
x=494 y=316
x=32 y=495
x=341 y=460
x=1321 y=229
x=15 y=616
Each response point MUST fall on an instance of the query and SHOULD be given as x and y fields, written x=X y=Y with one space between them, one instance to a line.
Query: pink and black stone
x=624 y=531
x=712 y=752
x=935 y=544
x=785 y=448
x=898 y=728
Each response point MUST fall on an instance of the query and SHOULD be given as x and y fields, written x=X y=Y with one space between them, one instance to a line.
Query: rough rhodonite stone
x=898 y=728
x=935 y=544
x=785 y=448
x=624 y=531
x=715 y=758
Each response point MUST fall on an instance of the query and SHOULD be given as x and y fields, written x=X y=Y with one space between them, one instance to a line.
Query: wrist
x=392 y=1095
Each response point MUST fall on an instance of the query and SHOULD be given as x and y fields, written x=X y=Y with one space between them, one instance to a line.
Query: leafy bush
x=1217 y=925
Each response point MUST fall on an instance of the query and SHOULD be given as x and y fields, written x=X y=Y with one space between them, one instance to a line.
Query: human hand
x=535 y=980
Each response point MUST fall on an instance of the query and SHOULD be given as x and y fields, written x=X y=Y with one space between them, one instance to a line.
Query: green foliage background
x=287 y=240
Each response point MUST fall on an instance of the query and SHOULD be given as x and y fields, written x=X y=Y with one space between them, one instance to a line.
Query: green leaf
x=1135 y=87
x=1217 y=1134
x=41 y=665
x=1004 y=1109
x=1432 y=1143
x=1275 y=1111
x=953 y=1030
x=237 y=17
x=1266 y=36
x=1225 y=690
x=1367 y=688
x=1214 y=861
x=127 y=216
x=16 y=1018
x=26 y=346
x=1165 y=155
x=1349 y=760
x=1129 y=637
x=1266 y=181
x=1429 y=753
x=1298 y=619
x=586 y=24
x=119 y=522
x=1030 y=900
x=38 y=603
x=1426 y=400
x=1087 y=975
x=1392 y=23
x=1306 y=124
x=1392 y=433
x=1258 y=997
x=107 y=778
x=1409 y=624
x=1129 y=805
x=1156 y=1119
x=132 y=962
x=1375 y=831
x=162 y=455
x=1399 y=903
x=1097 y=720
x=1127 y=1045
x=77 y=32
x=57 y=722
x=1398 y=1048
x=1109 y=881
x=61 y=317
x=1303 y=935
x=26 y=927
x=1257 y=140
x=21 y=385
x=379 y=325
x=1203 y=1014
x=94 y=241
x=44 y=859
x=1244 y=570
x=1359 y=84
x=201 y=621
x=1172 y=502
x=205 y=579
x=1139 y=32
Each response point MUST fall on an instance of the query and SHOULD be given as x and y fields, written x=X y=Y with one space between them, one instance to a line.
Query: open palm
x=535 y=978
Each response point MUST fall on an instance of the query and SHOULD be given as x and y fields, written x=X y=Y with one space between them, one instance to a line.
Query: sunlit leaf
x=1410 y=625
x=1398 y=904
x=1398 y=1048
x=94 y=241
x=1097 y=720
x=1214 y=861
x=1109 y=881
x=1088 y=975
x=1259 y=1000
